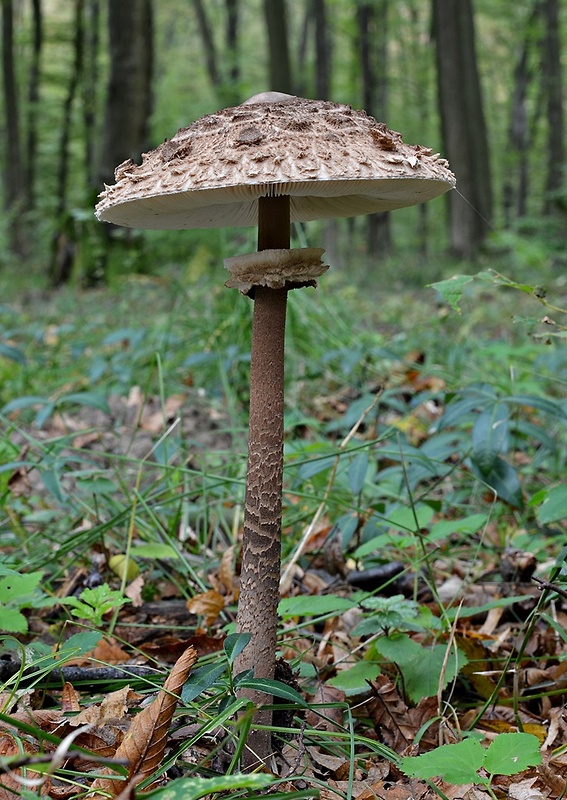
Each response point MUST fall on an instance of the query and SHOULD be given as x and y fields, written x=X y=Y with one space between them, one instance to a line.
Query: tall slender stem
x=261 y=545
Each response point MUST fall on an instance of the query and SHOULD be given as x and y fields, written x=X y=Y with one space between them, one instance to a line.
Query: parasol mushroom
x=272 y=160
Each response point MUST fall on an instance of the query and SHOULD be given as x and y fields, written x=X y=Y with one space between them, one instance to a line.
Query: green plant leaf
x=200 y=680
x=13 y=353
x=313 y=605
x=452 y=289
x=357 y=472
x=234 y=644
x=15 y=587
x=455 y=763
x=91 y=399
x=490 y=436
x=354 y=680
x=275 y=688
x=421 y=666
x=503 y=479
x=510 y=753
x=541 y=403
x=12 y=621
x=553 y=506
x=154 y=550
x=194 y=788
x=28 y=401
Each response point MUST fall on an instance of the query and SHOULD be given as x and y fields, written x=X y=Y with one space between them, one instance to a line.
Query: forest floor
x=423 y=605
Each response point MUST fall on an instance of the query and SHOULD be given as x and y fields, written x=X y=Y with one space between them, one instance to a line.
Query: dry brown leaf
x=144 y=744
x=226 y=570
x=108 y=651
x=69 y=699
x=158 y=421
x=134 y=591
x=525 y=790
x=327 y=719
x=113 y=708
x=208 y=604
x=11 y=783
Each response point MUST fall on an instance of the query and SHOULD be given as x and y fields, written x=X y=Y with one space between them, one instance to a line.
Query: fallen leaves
x=106 y=729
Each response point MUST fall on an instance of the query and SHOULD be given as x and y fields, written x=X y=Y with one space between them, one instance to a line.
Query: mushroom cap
x=331 y=160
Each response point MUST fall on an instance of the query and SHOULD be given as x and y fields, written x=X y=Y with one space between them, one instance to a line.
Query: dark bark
x=74 y=82
x=463 y=125
x=33 y=101
x=129 y=94
x=553 y=78
x=520 y=131
x=279 y=74
x=372 y=20
x=63 y=245
x=90 y=85
x=231 y=91
x=15 y=192
x=322 y=51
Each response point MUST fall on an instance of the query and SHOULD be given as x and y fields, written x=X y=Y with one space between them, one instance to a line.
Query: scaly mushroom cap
x=332 y=160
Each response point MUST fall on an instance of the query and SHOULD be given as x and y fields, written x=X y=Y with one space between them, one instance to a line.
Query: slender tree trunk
x=275 y=15
x=90 y=83
x=463 y=124
x=33 y=101
x=232 y=89
x=129 y=94
x=72 y=86
x=553 y=77
x=224 y=73
x=15 y=190
x=372 y=20
x=207 y=38
x=322 y=51
x=516 y=177
x=63 y=245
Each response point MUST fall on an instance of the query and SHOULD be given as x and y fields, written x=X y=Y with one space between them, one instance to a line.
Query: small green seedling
x=93 y=604
x=18 y=592
x=460 y=763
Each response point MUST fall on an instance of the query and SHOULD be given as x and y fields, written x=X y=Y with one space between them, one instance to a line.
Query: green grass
x=392 y=403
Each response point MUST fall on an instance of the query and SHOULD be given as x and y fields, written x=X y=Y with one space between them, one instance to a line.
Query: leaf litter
x=506 y=632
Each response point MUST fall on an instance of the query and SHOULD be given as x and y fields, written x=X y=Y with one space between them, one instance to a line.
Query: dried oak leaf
x=144 y=744
x=208 y=604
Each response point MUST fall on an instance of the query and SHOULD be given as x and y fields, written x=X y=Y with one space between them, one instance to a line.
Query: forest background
x=87 y=84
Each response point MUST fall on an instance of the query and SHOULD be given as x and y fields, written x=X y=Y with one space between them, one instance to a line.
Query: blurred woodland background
x=89 y=83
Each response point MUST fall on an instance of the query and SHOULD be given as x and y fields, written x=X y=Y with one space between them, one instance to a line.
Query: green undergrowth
x=414 y=436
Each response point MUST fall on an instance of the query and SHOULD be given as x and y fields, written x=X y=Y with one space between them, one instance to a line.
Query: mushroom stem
x=261 y=544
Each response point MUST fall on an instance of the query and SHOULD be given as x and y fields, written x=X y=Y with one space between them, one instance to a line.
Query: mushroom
x=270 y=161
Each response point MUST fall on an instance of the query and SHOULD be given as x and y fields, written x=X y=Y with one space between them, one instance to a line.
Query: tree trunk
x=231 y=83
x=372 y=21
x=322 y=51
x=224 y=74
x=63 y=243
x=90 y=83
x=278 y=46
x=33 y=101
x=553 y=77
x=129 y=94
x=72 y=86
x=516 y=181
x=463 y=125
x=15 y=190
